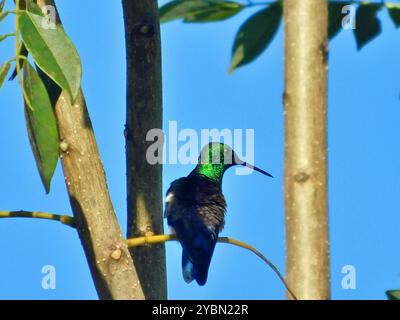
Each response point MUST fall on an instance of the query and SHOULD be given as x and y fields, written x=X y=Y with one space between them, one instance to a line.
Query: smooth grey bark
x=305 y=104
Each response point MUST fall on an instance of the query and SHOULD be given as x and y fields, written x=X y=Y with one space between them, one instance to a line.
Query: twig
x=147 y=240
x=64 y=219
x=140 y=241
x=261 y=256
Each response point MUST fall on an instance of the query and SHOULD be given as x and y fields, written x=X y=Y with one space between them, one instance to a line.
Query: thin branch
x=147 y=240
x=140 y=241
x=64 y=219
x=244 y=245
x=7 y=35
x=13 y=11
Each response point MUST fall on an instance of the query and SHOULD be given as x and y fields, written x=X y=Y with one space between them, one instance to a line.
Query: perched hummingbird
x=195 y=208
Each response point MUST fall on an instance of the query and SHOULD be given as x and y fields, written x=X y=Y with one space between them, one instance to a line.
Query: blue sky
x=364 y=175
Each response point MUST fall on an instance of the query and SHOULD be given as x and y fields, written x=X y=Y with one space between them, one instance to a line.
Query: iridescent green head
x=216 y=158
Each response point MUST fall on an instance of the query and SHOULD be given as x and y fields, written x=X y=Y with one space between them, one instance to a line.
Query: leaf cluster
x=257 y=31
x=46 y=63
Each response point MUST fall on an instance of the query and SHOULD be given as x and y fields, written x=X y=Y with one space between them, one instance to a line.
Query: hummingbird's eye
x=228 y=156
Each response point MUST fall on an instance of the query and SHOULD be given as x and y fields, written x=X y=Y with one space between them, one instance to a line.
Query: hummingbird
x=195 y=208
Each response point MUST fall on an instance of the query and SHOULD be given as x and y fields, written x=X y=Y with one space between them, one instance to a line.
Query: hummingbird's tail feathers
x=200 y=273
x=198 y=244
x=193 y=272
x=187 y=268
x=202 y=249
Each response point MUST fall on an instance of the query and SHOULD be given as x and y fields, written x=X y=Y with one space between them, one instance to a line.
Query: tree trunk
x=109 y=259
x=305 y=103
x=143 y=113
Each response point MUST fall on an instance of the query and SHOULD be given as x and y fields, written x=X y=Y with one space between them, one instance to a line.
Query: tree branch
x=306 y=201
x=64 y=219
x=143 y=113
x=147 y=240
x=108 y=257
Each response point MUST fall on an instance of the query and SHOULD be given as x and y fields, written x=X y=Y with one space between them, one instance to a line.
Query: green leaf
x=255 y=35
x=394 y=13
x=393 y=294
x=41 y=124
x=3 y=72
x=2 y=3
x=52 y=51
x=335 y=18
x=215 y=14
x=368 y=25
x=199 y=10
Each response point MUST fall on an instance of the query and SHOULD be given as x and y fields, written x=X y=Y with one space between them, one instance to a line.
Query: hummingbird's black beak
x=248 y=165
x=238 y=161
